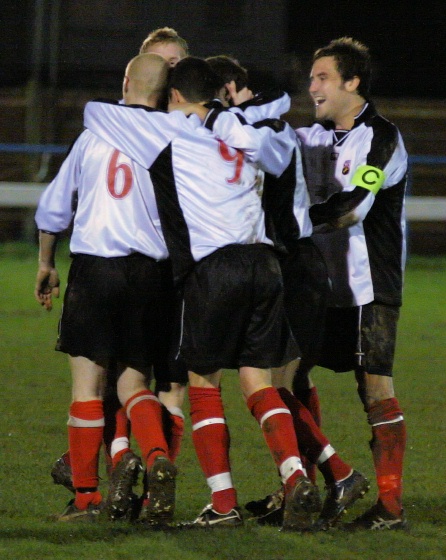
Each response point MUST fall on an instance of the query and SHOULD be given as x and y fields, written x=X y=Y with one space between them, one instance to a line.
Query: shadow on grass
x=420 y=512
x=63 y=533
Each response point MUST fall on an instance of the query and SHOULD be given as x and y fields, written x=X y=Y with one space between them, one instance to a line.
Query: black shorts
x=306 y=289
x=233 y=312
x=119 y=310
x=360 y=337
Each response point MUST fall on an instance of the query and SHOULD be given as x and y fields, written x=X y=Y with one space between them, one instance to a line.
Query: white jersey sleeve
x=264 y=107
x=395 y=170
x=269 y=143
x=55 y=208
x=139 y=132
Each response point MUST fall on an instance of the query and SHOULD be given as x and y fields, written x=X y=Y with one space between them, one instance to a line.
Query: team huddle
x=209 y=235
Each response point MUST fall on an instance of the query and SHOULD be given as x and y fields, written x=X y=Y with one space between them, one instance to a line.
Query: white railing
x=26 y=195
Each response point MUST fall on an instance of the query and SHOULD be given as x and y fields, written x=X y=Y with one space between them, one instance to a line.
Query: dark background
x=55 y=55
x=406 y=39
x=86 y=43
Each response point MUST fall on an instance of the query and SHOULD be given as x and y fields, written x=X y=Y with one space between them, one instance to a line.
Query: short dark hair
x=228 y=69
x=352 y=59
x=194 y=78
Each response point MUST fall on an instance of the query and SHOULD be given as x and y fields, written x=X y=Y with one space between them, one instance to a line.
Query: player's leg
x=116 y=435
x=296 y=284
x=210 y=304
x=384 y=415
x=143 y=409
x=95 y=295
x=117 y=425
x=269 y=510
x=306 y=289
x=169 y=370
x=143 y=340
x=388 y=444
x=306 y=392
x=85 y=433
x=173 y=400
x=344 y=485
x=124 y=465
x=210 y=436
x=301 y=498
x=269 y=341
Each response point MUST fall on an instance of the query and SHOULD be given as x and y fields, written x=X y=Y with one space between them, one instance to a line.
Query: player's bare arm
x=47 y=280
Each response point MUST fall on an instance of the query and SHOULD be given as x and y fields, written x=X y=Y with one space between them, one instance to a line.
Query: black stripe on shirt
x=278 y=125
x=384 y=142
x=278 y=202
x=173 y=223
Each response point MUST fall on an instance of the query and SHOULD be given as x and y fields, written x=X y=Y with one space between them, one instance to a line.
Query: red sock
x=120 y=443
x=312 y=442
x=144 y=412
x=211 y=440
x=388 y=446
x=122 y=424
x=277 y=425
x=176 y=432
x=84 y=499
x=314 y=405
x=85 y=431
x=310 y=399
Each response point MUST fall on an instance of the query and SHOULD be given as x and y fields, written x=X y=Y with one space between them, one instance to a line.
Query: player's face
x=327 y=90
x=171 y=52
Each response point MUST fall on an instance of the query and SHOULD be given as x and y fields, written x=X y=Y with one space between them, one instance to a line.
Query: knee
x=373 y=389
x=172 y=395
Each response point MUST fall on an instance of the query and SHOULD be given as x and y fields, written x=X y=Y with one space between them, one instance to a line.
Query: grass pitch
x=35 y=384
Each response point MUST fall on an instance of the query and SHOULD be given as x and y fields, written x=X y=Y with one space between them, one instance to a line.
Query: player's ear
x=174 y=96
x=125 y=84
x=353 y=84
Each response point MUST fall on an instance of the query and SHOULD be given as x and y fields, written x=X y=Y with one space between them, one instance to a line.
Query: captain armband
x=369 y=177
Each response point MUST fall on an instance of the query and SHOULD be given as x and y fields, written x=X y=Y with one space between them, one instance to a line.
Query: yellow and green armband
x=369 y=177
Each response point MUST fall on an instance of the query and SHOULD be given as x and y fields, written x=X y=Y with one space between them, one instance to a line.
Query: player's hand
x=47 y=286
x=238 y=97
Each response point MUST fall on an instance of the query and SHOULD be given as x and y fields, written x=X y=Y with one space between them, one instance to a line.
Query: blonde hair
x=163 y=35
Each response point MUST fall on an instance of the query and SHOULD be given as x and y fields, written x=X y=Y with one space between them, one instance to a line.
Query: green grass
x=35 y=385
